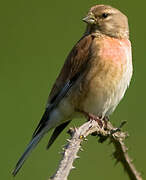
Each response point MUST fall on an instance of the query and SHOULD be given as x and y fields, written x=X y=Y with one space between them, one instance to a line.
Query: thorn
x=113 y=131
x=132 y=160
x=73 y=167
x=75 y=129
x=68 y=140
x=122 y=124
x=77 y=157
x=81 y=149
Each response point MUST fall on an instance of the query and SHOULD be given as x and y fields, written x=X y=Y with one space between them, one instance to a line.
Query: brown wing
x=78 y=57
x=73 y=67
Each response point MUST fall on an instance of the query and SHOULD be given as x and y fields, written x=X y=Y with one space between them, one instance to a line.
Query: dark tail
x=56 y=133
x=28 y=150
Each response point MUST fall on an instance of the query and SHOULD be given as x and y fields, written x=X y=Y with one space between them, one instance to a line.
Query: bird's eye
x=104 y=15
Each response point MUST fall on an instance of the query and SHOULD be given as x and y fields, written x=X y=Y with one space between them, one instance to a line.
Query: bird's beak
x=89 y=19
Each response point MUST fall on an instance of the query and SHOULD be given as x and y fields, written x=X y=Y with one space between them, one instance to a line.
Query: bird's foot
x=90 y=116
x=105 y=119
x=95 y=118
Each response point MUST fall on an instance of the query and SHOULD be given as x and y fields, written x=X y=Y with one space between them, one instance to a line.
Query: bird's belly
x=102 y=100
x=103 y=90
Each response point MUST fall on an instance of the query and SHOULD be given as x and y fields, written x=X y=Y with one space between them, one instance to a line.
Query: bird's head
x=107 y=20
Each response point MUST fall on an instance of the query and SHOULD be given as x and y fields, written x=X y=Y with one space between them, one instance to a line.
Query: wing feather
x=76 y=59
x=72 y=68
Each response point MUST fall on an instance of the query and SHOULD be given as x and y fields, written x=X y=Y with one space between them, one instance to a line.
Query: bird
x=93 y=79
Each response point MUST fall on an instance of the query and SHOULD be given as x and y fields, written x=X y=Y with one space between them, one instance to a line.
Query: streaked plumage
x=94 y=77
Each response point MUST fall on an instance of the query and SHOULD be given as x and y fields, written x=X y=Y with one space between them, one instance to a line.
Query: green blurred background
x=35 y=38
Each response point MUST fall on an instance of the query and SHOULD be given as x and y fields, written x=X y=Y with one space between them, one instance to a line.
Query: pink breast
x=117 y=50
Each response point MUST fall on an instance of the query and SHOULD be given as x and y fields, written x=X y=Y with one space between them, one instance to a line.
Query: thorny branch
x=116 y=137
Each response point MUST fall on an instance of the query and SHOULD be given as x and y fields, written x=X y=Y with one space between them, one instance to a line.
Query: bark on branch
x=106 y=132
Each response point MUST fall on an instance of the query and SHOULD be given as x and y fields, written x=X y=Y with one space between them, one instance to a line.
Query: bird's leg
x=90 y=116
x=96 y=118
x=105 y=119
